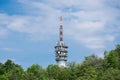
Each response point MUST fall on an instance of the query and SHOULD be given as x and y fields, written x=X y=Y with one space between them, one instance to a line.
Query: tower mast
x=61 y=48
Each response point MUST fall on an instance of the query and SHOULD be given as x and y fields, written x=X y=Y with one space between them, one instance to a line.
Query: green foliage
x=53 y=71
x=111 y=74
x=92 y=68
x=35 y=72
x=11 y=71
x=94 y=61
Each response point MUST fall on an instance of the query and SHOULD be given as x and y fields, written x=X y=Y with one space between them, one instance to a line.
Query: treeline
x=92 y=68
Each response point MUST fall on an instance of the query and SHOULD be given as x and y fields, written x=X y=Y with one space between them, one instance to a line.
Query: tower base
x=61 y=63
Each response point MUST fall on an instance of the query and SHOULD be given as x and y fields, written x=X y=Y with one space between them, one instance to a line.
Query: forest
x=92 y=68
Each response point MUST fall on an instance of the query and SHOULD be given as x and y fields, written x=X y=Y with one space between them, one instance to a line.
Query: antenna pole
x=61 y=29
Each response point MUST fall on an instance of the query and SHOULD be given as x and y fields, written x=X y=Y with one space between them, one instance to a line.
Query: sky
x=29 y=29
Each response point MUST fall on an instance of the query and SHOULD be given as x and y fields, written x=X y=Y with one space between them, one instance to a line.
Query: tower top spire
x=60 y=20
x=61 y=29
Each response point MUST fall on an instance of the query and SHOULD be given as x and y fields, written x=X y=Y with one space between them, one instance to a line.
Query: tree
x=35 y=72
x=111 y=74
x=53 y=72
x=72 y=67
x=1 y=69
x=118 y=53
x=11 y=71
x=64 y=74
x=113 y=57
x=87 y=73
x=94 y=61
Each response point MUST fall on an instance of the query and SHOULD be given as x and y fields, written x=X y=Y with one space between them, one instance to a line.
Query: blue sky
x=29 y=29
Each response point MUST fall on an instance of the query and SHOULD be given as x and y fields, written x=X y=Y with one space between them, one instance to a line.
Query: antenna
x=61 y=29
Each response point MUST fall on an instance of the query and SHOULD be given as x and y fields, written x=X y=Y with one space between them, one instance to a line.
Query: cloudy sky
x=29 y=29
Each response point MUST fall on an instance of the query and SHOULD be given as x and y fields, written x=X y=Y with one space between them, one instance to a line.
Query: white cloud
x=10 y=49
x=88 y=22
x=96 y=42
x=3 y=24
x=3 y=32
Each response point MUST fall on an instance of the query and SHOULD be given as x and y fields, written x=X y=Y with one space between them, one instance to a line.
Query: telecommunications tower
x=61 y=48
